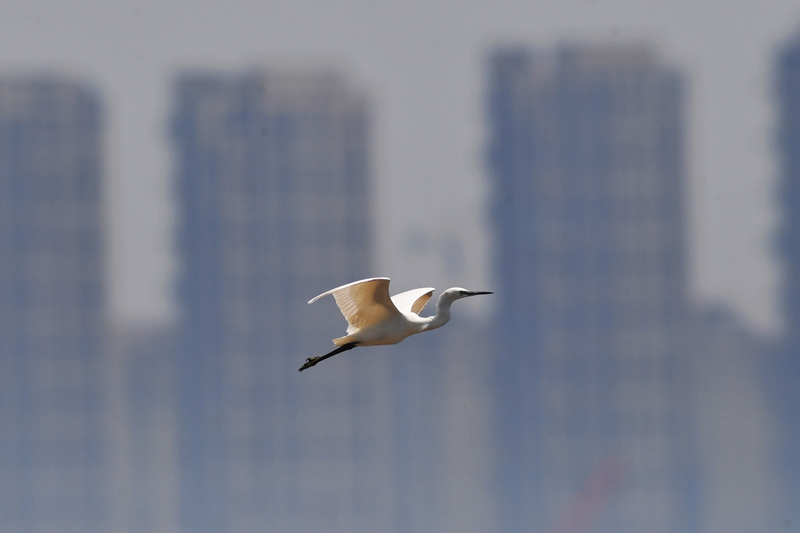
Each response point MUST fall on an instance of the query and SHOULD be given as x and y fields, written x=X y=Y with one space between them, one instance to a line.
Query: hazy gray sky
x=422 y=63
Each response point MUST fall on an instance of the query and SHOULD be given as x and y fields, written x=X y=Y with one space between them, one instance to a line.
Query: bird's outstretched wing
x=363 y=302
x=413 y=301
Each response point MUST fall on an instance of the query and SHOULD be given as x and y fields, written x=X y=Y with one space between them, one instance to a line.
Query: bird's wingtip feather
x=315 y=298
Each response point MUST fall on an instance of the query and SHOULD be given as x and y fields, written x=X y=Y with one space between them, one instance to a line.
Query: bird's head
x=446 y=300
x=456 y=293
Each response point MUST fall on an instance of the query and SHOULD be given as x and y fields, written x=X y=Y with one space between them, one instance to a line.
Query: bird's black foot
x=311 y=361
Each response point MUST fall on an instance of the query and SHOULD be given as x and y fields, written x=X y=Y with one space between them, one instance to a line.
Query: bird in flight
x=375 y=318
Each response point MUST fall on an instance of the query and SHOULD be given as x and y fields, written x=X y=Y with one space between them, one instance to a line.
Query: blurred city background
x=178 y=179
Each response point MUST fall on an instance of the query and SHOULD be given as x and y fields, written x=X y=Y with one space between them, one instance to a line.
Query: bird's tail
x=341 y=341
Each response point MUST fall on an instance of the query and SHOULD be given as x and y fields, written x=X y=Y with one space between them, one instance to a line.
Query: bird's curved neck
x=442 y=316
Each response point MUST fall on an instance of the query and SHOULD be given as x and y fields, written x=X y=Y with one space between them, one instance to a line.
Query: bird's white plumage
x=413 y=301
x=363 y=302
x=374 y=318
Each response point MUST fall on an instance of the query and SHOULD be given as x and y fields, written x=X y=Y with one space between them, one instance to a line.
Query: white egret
x=374 y=318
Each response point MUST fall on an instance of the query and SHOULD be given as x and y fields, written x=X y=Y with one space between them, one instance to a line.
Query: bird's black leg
x=311 y=361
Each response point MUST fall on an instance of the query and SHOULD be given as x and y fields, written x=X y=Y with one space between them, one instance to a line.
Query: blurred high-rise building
x=143 y=428
x=735 y=426
x=594 y=407
x=441 y=400
x=273 y=187
x=53 y=448
x=786 y=374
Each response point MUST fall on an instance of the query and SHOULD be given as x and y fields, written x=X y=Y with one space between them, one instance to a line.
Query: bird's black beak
x=476 y=293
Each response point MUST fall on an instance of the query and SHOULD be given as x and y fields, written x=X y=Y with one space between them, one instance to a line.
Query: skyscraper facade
x=443 y=428
x=594 y=407
x=52 y=308
x=143 y=425
x=273 y=186
x=787 y=370
x=735 y=425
